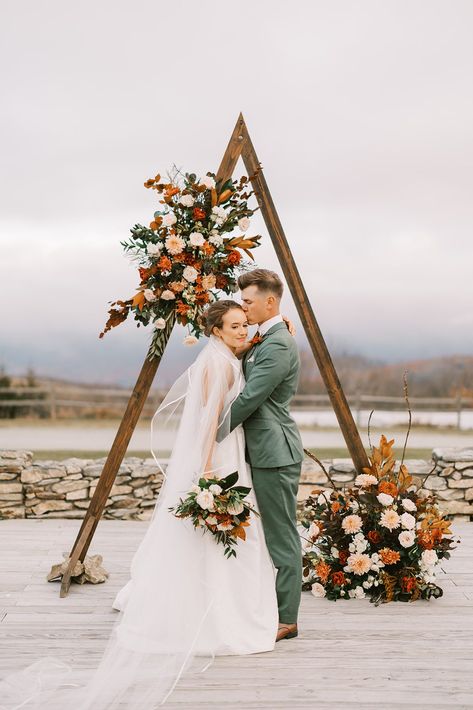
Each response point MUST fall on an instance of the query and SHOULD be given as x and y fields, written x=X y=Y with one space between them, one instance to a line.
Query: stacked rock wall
x=63 y=489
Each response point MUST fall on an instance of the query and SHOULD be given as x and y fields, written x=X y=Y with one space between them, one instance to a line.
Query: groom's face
x=256 y=304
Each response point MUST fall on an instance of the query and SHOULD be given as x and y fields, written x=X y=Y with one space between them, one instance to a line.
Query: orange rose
x=388 y=487
x=338 y=578
x=182 y=308
x=202 y=298
x=335 y=506
x=234 y=257
x=207 y=249
x=388 y=556
x=374 y=537
x=198 y=213
x=343 y=557
x=221 y=281
x=408 y=584
x=426 y=539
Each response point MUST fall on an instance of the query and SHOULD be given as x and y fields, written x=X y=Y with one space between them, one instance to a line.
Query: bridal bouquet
x=217 y=506
x=187 y=253
x=382 y=539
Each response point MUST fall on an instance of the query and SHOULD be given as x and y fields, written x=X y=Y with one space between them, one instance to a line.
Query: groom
x=274 y=446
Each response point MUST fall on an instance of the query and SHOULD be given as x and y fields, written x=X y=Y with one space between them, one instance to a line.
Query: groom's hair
x=265 y=280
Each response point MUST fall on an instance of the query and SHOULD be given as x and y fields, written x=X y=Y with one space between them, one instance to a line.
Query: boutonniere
x=256 y=339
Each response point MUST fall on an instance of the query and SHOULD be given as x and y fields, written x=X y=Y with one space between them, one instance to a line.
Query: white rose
x=149 y=294
x=236 y=508
x=169 y=219
x=195 y=489
x=244 y=224
x=168 y=295
x=190 y=274
x=160 y=323
x=186 y=200
x=429 y=558
x=153 y=249
x=190 y=340
x=206 y=500
x=359 y=593
x=334 y=552
x=314 y=530
x=409 y=505
x=318 y=590
x=196 y=239
x=208 y=181
x=408 y=521
x=215 y=489
x=385 y=499
x=406 y=538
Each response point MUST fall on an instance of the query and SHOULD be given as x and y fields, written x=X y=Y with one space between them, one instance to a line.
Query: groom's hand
x=289 y=325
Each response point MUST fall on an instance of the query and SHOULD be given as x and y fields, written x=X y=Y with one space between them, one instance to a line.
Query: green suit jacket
x=271 y=370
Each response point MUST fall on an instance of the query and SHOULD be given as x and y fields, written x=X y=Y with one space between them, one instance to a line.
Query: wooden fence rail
x=54 y=400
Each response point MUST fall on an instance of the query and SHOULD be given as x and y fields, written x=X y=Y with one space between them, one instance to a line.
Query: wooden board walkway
x=349 y=654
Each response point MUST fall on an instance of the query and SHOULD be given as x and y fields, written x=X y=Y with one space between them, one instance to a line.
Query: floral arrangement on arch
x=186 y=255
x=381 y=539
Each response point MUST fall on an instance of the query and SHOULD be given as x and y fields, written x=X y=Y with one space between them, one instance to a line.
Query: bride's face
x=234 y=330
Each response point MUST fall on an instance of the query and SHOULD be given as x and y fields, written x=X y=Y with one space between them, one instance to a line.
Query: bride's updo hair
x=212 y=317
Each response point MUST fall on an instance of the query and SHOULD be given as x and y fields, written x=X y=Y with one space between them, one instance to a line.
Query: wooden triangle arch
x=239 y=145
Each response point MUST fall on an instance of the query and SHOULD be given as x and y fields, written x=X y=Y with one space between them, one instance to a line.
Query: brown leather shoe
x=286 y=631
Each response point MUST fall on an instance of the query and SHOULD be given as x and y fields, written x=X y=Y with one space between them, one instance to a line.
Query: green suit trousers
x=276 y=493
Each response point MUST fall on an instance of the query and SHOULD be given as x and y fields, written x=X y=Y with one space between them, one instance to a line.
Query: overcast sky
x=361 y=114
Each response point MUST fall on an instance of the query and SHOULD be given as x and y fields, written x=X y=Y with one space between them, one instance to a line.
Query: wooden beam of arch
x=239 y=145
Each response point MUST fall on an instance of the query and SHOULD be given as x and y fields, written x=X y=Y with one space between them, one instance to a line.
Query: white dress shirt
x=264 y=327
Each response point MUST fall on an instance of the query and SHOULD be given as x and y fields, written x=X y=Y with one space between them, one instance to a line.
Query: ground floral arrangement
x=382 y=539
x=217 y=506
x=187 y=254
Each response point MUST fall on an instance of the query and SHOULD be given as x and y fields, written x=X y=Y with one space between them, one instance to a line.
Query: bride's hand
x=289 y=325
x=239 y=352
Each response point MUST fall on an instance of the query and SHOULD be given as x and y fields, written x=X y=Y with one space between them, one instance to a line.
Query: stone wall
x=63 y=489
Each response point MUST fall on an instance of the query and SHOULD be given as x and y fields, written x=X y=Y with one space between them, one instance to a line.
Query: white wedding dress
x=185 y=602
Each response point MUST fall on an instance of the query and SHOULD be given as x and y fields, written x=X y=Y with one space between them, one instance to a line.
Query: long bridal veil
x=161 y=631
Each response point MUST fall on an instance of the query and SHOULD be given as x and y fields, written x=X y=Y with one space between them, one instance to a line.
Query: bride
x=185 y=602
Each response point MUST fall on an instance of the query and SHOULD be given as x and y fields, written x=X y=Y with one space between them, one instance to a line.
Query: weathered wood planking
x=348 y=655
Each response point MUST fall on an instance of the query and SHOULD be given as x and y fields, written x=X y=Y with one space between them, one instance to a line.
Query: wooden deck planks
x=349 y=654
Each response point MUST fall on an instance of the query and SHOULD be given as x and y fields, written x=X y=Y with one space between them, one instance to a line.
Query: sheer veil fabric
x=185 y=602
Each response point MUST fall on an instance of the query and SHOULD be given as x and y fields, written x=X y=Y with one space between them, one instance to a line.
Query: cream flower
x=314 y=530
x=406 y=538
x=153 y=249
x=365 y=479
x=208 y=181
x=236 y=508
x=160 y=323
x=216 y=239
x=206 y=500
x=409 y=505
x=195 y=489
x=352 y=524
x=186 y=200
x=385 y=499
x=211 y=520
x=408 y=521
x=169 y=219
x=318 y=590
x=429 y=558
x=149 y=295
x=208 y=281
x=190 y=274
x=168 y=295
x=175 y=244
x=359 y=563
x=190 y=340
x=196 y=239
x=390 y=519
x=215 y=489
x=244 y=224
